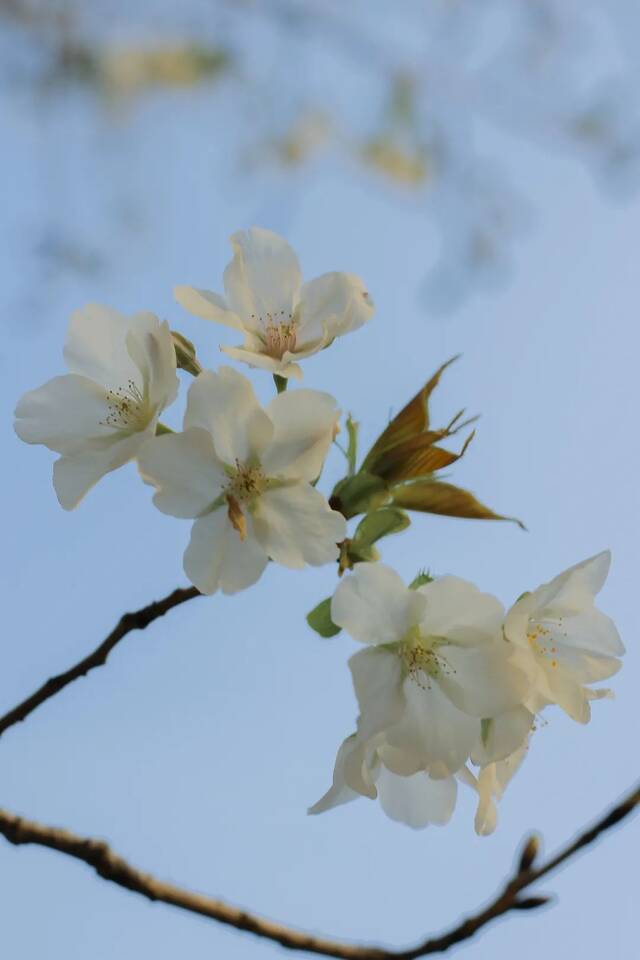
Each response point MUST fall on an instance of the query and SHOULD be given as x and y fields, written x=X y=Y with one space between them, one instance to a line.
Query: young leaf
x=319 y=619
x=432 y=496
x=412 y=420
x=416 y=457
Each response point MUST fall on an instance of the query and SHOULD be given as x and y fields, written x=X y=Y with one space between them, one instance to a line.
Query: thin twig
x=112 y=867
x=128 y=622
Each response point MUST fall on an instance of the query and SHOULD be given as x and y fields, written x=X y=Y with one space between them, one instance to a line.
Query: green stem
x=162 y=428
x=280 y=382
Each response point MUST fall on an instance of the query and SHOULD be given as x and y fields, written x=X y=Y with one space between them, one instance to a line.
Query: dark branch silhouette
x=128 y=622
x=112 y=867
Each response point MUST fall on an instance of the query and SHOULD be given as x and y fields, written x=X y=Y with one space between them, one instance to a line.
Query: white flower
x=437 y=664
x=568 y=642
x=283 y=320
x=416 y=800
x=122 y=375
x=245 y=475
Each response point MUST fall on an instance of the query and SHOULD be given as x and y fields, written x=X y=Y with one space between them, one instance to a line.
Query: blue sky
x=196 y=751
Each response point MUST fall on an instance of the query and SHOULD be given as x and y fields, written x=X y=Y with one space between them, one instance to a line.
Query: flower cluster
x=449 y=685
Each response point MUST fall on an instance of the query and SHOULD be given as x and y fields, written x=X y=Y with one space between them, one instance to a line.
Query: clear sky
x=197 y=750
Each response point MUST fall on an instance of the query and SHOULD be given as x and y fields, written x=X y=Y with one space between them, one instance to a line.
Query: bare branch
x=112 y=867
x=128 y=622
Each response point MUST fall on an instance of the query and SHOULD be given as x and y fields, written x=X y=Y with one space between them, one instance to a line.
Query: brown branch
x=128 y=622
x=113 y=868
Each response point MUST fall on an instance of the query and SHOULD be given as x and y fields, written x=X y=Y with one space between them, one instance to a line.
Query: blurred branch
x=128 y=622
x=112 y=867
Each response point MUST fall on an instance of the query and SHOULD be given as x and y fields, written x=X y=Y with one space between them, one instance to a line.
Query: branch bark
x=114 y=868
x=137 y=620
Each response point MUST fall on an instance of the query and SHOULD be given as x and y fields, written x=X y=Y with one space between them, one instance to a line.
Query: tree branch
x=128 y=622
x=112 y=867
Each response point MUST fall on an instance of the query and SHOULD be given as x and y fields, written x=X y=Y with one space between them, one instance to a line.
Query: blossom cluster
x=449 y=685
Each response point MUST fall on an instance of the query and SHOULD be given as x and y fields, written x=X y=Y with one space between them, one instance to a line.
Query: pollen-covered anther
x=279 y=335
x=422 y=661
x=127 y=408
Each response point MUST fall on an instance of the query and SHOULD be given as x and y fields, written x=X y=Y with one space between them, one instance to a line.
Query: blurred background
x=478 y=165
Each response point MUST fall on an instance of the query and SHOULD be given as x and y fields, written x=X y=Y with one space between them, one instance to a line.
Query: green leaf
x=379 y=523
x=412 y=420
x=319 y=619
x=420 y=579
x=432 y=496
x=358 y=494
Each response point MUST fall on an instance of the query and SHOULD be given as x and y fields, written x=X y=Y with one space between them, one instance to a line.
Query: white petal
x=304 y=422
x=416 y=800
x=263 y=279
x=225 y=404
x=332 y=305
x=263 y=361
x=377 y=681
x=503 y=736
x=185 y=470
x=208 y=305
x=75 y=475
x=64 y=414
x=217 y=558
x=339 y=792
x=433 y=733
x=374 y=605
x=151 y=348
x=482 y=681
x=457 y=610
x=296 y=525
x=568 y=694
x=95 y=346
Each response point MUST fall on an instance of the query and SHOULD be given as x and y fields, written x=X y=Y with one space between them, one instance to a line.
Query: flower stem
x=162 y=428
x=280 y=382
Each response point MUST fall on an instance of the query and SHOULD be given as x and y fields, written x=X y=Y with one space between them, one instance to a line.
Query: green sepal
x=420 y=579
x=319 y=619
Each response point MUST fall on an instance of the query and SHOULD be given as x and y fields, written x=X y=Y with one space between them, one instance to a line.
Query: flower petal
x=374 y=605
x=331 y=305
x=339 y=792
x=263 y=279
x=296 y=525
x=225 y=404
x=482 y=681
x=95 y=346
x=457 y=610
x=76 y=474
x=432 y=733
x=304 y=423
x=263 y=361
x=63 y=414
x=184 y=469
x=417 y=800
x=151 y=348
x=377 y=681
x=217 y=558
x=207 y=305
x=503 y=736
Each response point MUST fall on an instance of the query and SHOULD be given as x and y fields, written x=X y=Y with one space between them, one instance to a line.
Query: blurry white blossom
x=282 y=319
x=97 y=417
x=566 y=640
x=245 y=475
